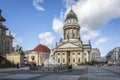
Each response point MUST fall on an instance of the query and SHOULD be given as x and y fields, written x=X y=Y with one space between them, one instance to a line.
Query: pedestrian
x=42 y=66
x=34 y=64
x=17 y=65
x=70 y=67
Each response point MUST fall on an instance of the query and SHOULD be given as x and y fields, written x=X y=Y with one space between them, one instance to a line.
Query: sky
x=34 y=22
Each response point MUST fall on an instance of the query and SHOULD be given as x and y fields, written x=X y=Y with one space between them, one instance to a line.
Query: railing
x=58 y=68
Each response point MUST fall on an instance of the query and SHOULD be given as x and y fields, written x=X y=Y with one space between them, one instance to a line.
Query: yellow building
x=71 y=49
x=39 y=55
x=15 y=57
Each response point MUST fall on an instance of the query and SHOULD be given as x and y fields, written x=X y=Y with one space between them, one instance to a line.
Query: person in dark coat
x=17 y=65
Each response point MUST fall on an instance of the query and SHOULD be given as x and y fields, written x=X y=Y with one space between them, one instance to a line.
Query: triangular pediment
x=68 y=45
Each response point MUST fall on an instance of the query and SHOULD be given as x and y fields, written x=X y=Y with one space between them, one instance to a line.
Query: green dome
x=71 y=14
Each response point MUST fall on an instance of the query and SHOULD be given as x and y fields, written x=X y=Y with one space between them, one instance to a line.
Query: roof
x=3 y=27
x=10 y=36
x=42 y=48
x=71 y=14
x=1 y=18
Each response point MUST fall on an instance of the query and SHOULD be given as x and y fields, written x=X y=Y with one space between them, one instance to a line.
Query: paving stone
x=60 y=77
x=3 y=74
x=20 y=76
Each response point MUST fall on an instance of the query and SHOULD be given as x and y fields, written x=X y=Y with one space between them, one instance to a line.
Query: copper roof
x=42 y=48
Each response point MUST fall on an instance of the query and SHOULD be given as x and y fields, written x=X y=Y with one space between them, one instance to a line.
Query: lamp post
x=115 y=57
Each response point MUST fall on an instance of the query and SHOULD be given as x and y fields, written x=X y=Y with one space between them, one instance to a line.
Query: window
x=63 y=60
x=58 y=60
x=84 y=53
x=63 y=53
x=78 y=60
x=73 y=60
x=69 y=60
x=58 y=53
x=73 y=53
x=85 y=60
x=78 y=53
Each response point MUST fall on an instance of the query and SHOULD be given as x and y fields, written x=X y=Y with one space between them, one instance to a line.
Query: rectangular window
x=78 y=53
x=63 y=60
x=73 y=53
x=63 y=53
x=58 y=60
x=69 y=59
x=58 y=53
x=78 y=60
x=73 y=60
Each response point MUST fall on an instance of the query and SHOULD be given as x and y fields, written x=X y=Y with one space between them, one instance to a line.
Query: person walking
x=17 y=65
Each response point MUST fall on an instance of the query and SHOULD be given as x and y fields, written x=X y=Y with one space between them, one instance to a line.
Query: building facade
x=113 y=57
x=95 y=54
x=16 y=57
x=39 y=55
x=6 y=40
x=71 y=50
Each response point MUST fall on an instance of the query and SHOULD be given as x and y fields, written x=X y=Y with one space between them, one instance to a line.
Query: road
x=78 y=73
x=103 y=73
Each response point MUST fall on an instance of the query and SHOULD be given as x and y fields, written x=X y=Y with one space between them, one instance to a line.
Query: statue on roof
x=18 y=49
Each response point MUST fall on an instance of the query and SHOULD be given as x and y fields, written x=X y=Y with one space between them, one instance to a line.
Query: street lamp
x=115 y=57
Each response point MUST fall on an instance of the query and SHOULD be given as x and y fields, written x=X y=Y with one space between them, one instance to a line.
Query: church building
x=71 y=50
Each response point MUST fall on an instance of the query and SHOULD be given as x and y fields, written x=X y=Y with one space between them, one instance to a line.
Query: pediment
x=68 y=45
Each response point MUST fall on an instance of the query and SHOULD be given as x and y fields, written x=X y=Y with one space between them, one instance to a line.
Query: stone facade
x=39 y=55
x=113 y=57
x=39 y=58
x=6 y=40
x=71 y=49
x=95 y=55
x=15 y=58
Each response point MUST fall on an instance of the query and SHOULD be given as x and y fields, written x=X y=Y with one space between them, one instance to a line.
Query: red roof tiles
x=42 y=48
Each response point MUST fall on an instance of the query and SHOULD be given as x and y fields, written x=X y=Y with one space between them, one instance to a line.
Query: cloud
x=57 y=25
x=37 y=6
x=47 y=39
x=90 y=35
x=92 y=15
x=101 y=41
x=69 y=2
